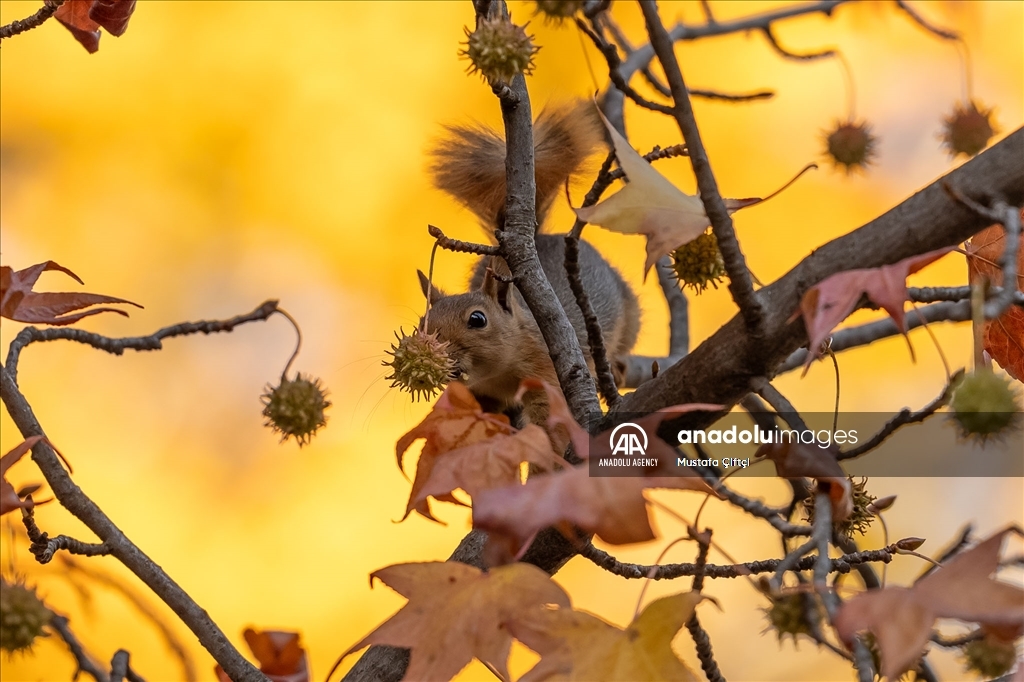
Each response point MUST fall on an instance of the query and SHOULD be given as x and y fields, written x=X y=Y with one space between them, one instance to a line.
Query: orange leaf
x=902 y=618
x=1004 y=337
x=486 y=464
x=279 y=654
x=457 y=613
x=831 y=301
x=18 y=302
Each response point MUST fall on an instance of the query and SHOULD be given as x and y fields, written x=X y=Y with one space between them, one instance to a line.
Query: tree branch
x=740 y=284
x=21 y=25
x=721 y=368
x=81 y=506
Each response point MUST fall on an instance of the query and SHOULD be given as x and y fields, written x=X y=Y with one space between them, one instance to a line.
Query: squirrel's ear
x=435 y=294
x=498 y=289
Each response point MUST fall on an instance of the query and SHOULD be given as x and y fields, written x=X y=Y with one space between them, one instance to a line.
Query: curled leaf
x=19 y=303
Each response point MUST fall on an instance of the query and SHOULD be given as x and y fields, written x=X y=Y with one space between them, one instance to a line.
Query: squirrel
x=493 y=338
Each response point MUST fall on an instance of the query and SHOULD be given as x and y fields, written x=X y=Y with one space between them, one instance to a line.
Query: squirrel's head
x=487 y=331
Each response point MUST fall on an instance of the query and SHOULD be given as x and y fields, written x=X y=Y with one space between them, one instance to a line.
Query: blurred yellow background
x=219 y=154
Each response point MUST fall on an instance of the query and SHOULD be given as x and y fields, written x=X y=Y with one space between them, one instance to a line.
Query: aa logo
x=628 y=439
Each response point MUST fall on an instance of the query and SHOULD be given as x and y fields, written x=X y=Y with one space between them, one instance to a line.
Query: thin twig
x=21 y=25
x=842 y=564
x=143 y=606
x=595 y=337
x=945 y=34
x=121 y=669
x=740 y=284
x=805 y=57
x=44 y=547
x=779 y=403
x=460 y=246
x=30 y=335
x=904 y=417
x=700 y=637
x=86 y=663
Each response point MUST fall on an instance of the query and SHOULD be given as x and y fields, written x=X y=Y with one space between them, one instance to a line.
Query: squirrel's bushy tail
x=469 y=163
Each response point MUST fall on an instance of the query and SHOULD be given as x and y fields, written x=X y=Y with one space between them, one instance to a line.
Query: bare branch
x=460 y=246
x=44 y=547
x=21 y=25
x=841 y=564
x=904 y=417
x=78 y=503
x=926 y=25
x=86 y=663
x=806 y=57
x=700 y=637
x=740 y=284
x=30 y=335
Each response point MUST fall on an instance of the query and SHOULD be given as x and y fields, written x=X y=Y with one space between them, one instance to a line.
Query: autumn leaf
x=1003 y=337
x=613 y=508
x=19 y=303
x=560 y=420
x=799 y=460
x=901 y=618
x=9 y=499
x=457 y=613
x=575 y=645
x=651 y=205
x=85 y=18
x=279 y=654
x=831 y=301
x=486 y=464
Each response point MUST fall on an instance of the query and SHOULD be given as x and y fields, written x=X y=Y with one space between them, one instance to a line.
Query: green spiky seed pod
x=967 y=130
x=984 y=405
x=788 y=614
x=699 y=263
x=296 y=408
x=863 y=513
x=989 y=657
x=23 y=616
x=557 y=11
x=499 y=50
x=851 y=145
x=419 y=364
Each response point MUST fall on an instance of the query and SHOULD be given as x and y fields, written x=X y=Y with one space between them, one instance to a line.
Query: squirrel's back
x=493 y=338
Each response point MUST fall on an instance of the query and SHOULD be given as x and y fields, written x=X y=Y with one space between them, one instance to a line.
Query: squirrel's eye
x=477 y=320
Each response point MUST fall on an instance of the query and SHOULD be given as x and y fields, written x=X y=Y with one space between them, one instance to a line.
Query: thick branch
x=720 y=369
x=740 y=284
x=78 y=503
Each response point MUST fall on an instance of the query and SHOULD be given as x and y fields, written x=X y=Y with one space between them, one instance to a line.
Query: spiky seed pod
x=860 y=520
x=851 y=144
x=499 y=50
x=989 y=657
x=296 y=408
x=557 y=11
x=788 y=614
x=23 y=616
x=984 y=405
x=699 y=263
x=419 y=364
x=967 y=130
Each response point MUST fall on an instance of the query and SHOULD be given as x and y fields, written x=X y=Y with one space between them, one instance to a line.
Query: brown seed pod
x=850 y=144
x=967 y=130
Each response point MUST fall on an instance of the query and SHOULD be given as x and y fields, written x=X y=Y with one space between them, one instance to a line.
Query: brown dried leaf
x=575 y=645
x=1004 y=337
x=901 y=618
x=456 y=421
x=19 y=303
x=457 y=612
x=281 y=657
x=490 y=463
x=84 y=18
x=831 y=301
x=799 y=460
x=9 y=498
